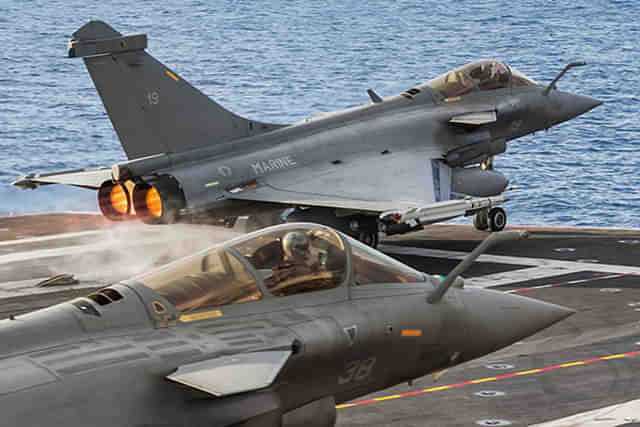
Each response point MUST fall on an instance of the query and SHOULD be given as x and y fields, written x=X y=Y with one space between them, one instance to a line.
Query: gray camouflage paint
x=82 y=363
x=363 y=160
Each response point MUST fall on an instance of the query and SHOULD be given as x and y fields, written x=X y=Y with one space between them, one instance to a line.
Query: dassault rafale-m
x=271 y=329
x=394 y=165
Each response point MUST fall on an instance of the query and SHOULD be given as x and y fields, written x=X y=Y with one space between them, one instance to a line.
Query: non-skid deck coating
x=586 y=367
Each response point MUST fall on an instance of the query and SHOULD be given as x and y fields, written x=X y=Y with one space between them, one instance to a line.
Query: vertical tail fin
x=152 y=109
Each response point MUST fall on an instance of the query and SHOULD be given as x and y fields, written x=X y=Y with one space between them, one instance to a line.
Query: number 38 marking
x=357 y=370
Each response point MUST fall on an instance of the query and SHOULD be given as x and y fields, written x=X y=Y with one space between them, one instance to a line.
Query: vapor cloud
x=132 y=248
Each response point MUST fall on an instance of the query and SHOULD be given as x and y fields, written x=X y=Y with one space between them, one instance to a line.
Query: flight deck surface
x=579 y=367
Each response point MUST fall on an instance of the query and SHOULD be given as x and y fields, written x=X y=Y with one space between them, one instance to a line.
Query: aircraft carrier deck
x=586 y=367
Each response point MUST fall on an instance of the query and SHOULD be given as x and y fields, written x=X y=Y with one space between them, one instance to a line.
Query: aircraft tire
x=497 y=219
x=369 y=238
x=481 y=221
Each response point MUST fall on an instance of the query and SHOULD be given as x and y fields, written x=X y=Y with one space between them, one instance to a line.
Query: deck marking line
x=393 y=396
x=484 y=380
x=539 y=267
x=344 y=405
x=532 y=371
x=568 y=365
x=615 y=356
x=573 y=282
x=488 y=379
x=442 y=387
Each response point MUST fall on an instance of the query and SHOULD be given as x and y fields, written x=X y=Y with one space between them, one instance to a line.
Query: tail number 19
x=153 y=98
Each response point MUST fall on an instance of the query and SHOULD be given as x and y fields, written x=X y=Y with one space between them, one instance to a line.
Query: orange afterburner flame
x=153 y=202
x=119 y=199
x=114 y=201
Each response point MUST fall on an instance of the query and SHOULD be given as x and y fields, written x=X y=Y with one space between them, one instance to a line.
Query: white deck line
x=51 y=237
x=522 y=275
x=74 y=250
x=20 y=215
x=545 y=267
x=610 y=416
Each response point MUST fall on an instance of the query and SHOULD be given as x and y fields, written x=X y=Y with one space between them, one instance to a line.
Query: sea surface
x=283 y=61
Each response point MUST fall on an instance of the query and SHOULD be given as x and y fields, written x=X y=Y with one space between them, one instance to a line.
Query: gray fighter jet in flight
x=270 y=329
x=393 y=165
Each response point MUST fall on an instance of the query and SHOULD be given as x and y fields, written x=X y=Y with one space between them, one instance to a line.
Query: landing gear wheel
x=481 y=220
x=497 y=219
x=369 y=238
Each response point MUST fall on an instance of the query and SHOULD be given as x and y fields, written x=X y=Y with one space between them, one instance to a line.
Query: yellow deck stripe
x=566 y=365
x=532 y=371
x=393 y=396
x=484 y=380
x=615 y=356
x=442 y=387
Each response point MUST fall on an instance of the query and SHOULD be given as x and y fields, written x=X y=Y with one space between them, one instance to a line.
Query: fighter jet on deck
x=272 y=329
x=393 y=165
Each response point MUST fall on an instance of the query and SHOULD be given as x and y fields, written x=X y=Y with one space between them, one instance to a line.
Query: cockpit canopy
x=276 y=262
x=478 y=76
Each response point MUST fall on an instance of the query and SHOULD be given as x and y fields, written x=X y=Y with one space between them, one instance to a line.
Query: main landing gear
x=493 y=220
x=369 y=238
x=358 y=226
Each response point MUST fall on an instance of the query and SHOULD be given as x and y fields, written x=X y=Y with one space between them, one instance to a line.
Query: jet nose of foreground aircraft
x=565 y=106
x=500 y=319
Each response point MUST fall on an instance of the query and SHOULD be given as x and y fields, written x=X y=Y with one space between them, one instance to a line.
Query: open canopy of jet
x=272 y=329
x=394 y=165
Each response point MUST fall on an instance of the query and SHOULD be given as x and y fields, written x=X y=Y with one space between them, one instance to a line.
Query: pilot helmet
x=295 y=245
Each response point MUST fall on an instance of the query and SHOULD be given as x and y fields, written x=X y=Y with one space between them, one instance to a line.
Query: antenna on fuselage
x=375 y=98
x=499 y=237
x=552 y=85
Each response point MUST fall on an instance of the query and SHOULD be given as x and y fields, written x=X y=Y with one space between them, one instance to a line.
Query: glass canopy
x=279 y=261
x=479 y=76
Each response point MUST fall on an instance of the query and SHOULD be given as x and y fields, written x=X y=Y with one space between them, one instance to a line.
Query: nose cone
x=498 y=319
x=565 y=106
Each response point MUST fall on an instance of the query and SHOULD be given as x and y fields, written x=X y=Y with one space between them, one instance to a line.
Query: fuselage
x=418 y=125
x=105 y=360
x=78 y=369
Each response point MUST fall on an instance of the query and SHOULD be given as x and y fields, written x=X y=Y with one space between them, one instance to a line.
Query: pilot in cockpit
x=297 y=251
x=306 y=261
x=490 y=75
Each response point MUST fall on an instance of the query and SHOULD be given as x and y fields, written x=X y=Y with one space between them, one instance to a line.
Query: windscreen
x=520 y=80
x=213 y=278
x=371 y=267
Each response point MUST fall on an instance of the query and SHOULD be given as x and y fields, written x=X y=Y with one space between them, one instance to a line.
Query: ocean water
x=282 y=61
